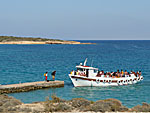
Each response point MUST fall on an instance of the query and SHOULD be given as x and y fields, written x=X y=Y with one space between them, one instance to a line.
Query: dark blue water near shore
x=27 y=63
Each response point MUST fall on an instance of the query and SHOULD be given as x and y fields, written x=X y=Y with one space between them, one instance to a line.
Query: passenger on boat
x=77 y=73
x=137 y=73
x=125 y=73
x=72 y=72
x=102 y=72
x=99 y=74
x=122 y=73
x=134 y=73
x=82 y=74
x=140 y=73
x=118 y=73
x=109 y=74
x=105 y=74
x=112 y=73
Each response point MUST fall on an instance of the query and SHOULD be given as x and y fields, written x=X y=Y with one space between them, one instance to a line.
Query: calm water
x=27 y=63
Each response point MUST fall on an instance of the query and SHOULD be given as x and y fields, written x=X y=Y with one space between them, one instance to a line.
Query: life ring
x=133 y=81
x=118 y=82
x=124 y=82
x=128 y=81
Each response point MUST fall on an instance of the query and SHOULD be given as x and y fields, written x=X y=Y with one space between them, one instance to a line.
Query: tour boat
x=89 y=76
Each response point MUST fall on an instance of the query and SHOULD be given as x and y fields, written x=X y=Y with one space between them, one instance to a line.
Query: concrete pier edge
x=24 y=87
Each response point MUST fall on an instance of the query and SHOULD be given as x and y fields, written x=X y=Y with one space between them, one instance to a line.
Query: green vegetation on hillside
x=12 y=38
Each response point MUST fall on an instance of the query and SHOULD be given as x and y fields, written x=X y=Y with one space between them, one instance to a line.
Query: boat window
x=95 y=71
x=79 y=69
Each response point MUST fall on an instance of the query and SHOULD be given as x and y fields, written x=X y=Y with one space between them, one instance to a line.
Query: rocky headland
x=12 y=105
x=30 y=40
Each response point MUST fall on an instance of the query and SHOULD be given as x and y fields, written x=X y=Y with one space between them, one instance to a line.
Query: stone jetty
x=24 y=87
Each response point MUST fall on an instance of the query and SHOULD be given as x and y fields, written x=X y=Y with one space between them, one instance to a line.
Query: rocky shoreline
x=12 y=105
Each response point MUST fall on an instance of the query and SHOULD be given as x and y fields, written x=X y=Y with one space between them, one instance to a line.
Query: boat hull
x=80 y=81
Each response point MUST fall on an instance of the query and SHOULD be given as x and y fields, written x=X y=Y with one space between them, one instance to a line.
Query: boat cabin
x=86 y=71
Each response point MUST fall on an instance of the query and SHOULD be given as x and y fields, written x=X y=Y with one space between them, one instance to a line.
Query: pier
x=24 y=87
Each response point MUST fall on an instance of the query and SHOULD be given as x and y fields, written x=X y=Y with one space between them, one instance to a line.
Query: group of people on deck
x=53 y=76
x=118 y=73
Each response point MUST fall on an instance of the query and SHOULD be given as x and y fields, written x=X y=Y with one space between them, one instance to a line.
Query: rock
x=109 y=105
x=56 y=99
x=25 y=108
x=144 y=104
x=144 y=108
x=114 y=101
x=57 y=107
x=7 y=102
x=63 y=107
x=98 y=107
x=12 y=105
x=80 y=102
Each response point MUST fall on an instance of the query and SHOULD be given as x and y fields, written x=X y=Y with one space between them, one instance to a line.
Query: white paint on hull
x=79 y=81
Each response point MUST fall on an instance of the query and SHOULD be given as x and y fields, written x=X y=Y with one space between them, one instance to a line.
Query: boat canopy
x=86 y=67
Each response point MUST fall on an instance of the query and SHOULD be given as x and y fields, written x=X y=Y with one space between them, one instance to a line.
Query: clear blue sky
x=76 y=19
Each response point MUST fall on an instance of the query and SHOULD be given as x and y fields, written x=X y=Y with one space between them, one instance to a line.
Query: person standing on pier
x=53 y=75
x=45 y=74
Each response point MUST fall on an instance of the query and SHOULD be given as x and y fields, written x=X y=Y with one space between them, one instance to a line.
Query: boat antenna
x=91 y=63
x=85 y=62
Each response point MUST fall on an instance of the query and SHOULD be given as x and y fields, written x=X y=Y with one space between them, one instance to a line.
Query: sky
x=76 y=19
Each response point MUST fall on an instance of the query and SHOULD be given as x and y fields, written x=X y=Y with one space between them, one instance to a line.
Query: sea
x=28 y=63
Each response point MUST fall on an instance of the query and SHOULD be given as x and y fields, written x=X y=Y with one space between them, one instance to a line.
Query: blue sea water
x=28 y=63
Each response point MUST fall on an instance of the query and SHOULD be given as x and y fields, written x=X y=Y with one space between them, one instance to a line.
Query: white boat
x=89 y=76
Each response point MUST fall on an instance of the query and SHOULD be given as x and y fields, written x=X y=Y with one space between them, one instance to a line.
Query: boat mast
x=85 y=62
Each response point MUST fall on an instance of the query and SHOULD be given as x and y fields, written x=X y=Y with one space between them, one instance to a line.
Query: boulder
x=141 y=108
x=57 y=107
x=109 y=105
x=80 y=102
x=7 y=102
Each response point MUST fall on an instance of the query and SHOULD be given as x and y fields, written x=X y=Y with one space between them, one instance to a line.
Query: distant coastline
x=31 y=40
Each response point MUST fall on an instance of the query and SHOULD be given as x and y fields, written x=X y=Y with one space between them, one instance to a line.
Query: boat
x=89 y=76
